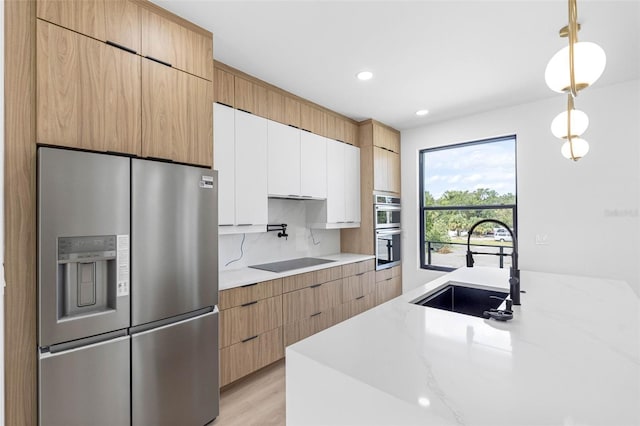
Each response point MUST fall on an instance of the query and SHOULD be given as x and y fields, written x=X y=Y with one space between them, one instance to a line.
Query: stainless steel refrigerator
x=127 y=291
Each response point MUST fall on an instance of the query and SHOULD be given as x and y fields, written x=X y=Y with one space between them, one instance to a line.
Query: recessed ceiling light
x=422 y=112
x=364 y=75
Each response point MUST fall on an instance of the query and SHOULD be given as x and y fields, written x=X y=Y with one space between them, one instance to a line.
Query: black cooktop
x=289 y=265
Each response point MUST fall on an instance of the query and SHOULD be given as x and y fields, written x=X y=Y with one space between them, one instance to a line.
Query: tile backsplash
x=267 y=247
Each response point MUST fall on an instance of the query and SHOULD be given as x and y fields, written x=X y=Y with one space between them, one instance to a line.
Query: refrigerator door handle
x=168 y=322
x=84 y=345
x=88 y=341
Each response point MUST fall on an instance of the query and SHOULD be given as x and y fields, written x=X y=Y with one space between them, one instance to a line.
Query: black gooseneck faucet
x=514 y=272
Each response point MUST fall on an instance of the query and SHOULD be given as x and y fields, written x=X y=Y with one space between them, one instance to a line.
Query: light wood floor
x=256 y=400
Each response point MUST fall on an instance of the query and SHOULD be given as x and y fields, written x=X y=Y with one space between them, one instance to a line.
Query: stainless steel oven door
x=387 y=216
x=387 y=248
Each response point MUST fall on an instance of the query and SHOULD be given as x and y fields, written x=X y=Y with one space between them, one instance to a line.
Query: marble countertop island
x=570 y=356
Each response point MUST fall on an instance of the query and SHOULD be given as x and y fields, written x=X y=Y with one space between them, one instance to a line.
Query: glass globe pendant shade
x=589 y=62
x=580 y=149
x=579 y=124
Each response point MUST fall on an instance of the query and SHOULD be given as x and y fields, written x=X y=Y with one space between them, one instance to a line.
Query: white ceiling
x=451 y=57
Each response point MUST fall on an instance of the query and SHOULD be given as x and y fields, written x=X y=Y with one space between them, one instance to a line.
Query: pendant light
x=570 y=70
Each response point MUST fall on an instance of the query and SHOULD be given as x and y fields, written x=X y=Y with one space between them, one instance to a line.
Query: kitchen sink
x=465 y=300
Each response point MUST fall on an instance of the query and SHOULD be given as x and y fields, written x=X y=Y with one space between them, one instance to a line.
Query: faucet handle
x=504 y=299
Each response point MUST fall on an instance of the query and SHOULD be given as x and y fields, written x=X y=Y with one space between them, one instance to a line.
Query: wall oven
x=386 y=212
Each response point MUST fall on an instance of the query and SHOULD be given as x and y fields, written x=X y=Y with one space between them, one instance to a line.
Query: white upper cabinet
x=251 y=169
x=240 y=156
x=335 y=182
x=313 y=165
x=284 y=160
x=224 y=162
x=352 y=183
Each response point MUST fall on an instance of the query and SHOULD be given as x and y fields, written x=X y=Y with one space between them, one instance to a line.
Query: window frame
x=423 y=209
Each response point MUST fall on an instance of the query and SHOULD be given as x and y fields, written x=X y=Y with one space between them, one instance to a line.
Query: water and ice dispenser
x=87 y=275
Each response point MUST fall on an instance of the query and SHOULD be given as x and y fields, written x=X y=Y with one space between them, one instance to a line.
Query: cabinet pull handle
x=225 y=224
x=222 y=103
x=119 y=46
x=249 y=338
x=361 y=273
x=389 y=279
x=249 y=304
x=248 y=285
x=315 y=315
x=167 y=64
x=361 y=297
x=245 y=224
x=315 y=286
x=244 y=110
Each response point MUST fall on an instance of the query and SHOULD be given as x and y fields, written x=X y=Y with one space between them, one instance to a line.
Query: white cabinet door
x=284 y=159
x=335 y=182
x=251 y=169
x=313 y=165
x=352 y=183
x=224 y=162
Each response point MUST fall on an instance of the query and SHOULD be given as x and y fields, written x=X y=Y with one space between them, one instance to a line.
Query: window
x=460 y=185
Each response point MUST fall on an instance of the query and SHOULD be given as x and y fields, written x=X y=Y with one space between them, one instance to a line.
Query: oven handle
x=388 y=232
x=385 y=208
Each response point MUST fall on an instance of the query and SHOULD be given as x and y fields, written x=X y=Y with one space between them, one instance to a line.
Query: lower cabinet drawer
x=250 y=319
x=358 y=285
x=243 y=358
x=306 y=327
x=388 y=289
x=301 y=304
x=359 y=305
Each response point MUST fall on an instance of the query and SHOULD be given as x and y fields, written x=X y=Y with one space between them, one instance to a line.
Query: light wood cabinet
x=301 y=304
x=243 y=358
x=88 y=93
x=312 y=119
x=386 y=138
x=176 y=115
x=350 y=133
x=386 y=165
x=358 y=268
x=250 y=328
x=249 y=293
x=224 y=87
x=358 y=305
x=178 y=46
x=359 y=285
x=388 y=284
x=292 y=111
x=113 y=21
x=276 y=106
x=250 y=97
x=249 y=320
x=306 y=327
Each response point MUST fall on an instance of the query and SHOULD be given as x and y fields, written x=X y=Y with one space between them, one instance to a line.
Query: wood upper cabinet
x=350 y=133
x=250 y=97
x=176 y=115
x=386 y=170
x=174 y=44
x=312 y=119
x=224 y=87
x=292 y=111
x=115 y=21
x=88 y=93
x=386 y=138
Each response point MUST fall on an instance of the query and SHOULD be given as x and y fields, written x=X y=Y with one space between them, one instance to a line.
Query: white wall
x=588 y=209
x=267 y=247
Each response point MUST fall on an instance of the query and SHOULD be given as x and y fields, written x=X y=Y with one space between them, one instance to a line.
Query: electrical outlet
x=542 y=239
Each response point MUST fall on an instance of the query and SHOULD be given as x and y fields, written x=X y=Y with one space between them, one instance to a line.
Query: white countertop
x=570 y=356
x=237 y=277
